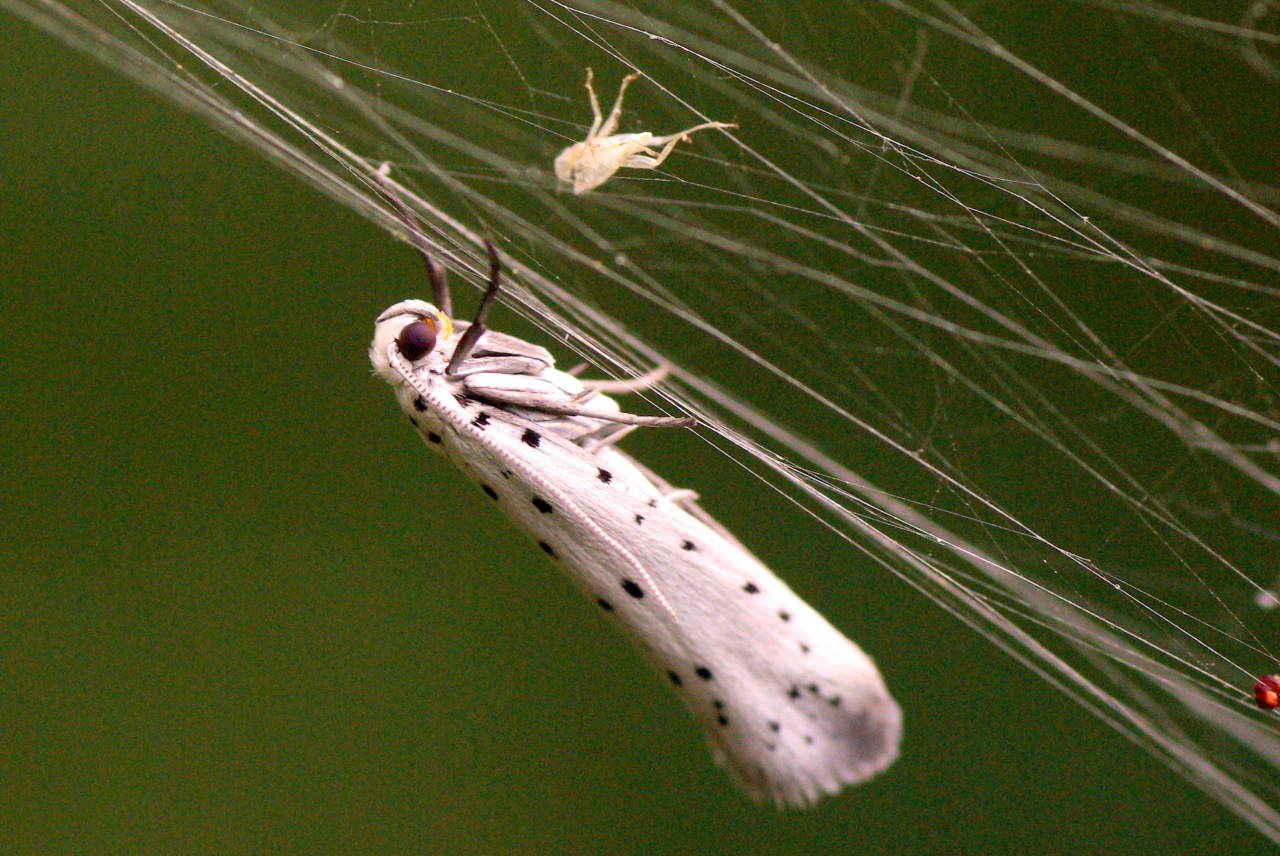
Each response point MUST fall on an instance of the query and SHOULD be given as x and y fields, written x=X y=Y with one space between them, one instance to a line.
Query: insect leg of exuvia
x=791 y=707
x=592 y=162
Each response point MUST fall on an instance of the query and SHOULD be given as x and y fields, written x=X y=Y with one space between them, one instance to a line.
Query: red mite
x=1266 y=692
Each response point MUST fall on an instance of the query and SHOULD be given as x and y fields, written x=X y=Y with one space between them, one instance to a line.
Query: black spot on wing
x=419 y=405
x=793 y=693
x=490 y=492
x=542 y=505
x=433 y=437
x=704 y=673
x=675 y=679
x=688 y=545
x=632 y=589
x=531 y=438
x=785 y=616
x=639 y=519
x=604 y=604
x=604 y=476
x=751 y=588
x=546 y=548
x=481 y=420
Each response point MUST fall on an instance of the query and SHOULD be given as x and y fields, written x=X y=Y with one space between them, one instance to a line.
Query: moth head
x=415 y=326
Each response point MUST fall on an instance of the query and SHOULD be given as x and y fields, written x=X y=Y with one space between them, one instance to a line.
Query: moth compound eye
x=416 y=340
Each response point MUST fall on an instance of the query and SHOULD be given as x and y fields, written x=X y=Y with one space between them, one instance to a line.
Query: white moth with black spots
x=792 y=709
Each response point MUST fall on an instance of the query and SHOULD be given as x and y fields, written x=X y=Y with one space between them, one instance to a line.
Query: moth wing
x=792 y=708
x=493 y=343
x=556 y=388
x=686 y=503
x=501 y=354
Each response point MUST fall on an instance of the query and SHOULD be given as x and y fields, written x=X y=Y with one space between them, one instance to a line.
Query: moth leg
x=585 y=396
x=605 y=435
x=638 y=384
x=537 y=403
x=618 y=418
x=681 y=495
x=477 y=328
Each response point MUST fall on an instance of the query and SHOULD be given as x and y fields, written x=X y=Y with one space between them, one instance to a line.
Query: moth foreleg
x=646 y=381
x=538 y=395
x=539 y=404
x=605 y=435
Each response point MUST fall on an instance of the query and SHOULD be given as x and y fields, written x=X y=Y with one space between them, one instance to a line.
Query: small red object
x=1266 y=692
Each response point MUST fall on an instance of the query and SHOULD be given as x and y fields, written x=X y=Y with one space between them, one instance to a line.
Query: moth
x=791 y=708
x=592 y=162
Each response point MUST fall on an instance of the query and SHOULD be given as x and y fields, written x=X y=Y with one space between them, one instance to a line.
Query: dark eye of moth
x=416 y=340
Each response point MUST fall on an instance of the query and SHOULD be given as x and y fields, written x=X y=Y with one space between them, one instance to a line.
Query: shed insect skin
x=592 y=162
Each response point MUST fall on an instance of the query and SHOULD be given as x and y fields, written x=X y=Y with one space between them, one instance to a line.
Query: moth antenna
x=417 y=240
x=439 y=285
x=477 y=328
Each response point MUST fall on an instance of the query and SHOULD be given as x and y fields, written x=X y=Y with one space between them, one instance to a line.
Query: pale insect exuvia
x=791 y=707
x=592 y=162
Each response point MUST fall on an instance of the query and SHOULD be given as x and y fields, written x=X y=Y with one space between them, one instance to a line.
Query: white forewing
x=791 y=707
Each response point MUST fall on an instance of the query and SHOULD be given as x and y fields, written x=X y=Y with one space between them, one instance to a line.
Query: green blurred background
x=243 y=610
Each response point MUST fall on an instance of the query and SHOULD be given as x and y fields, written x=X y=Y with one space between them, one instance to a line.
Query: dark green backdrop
x=241 y=610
